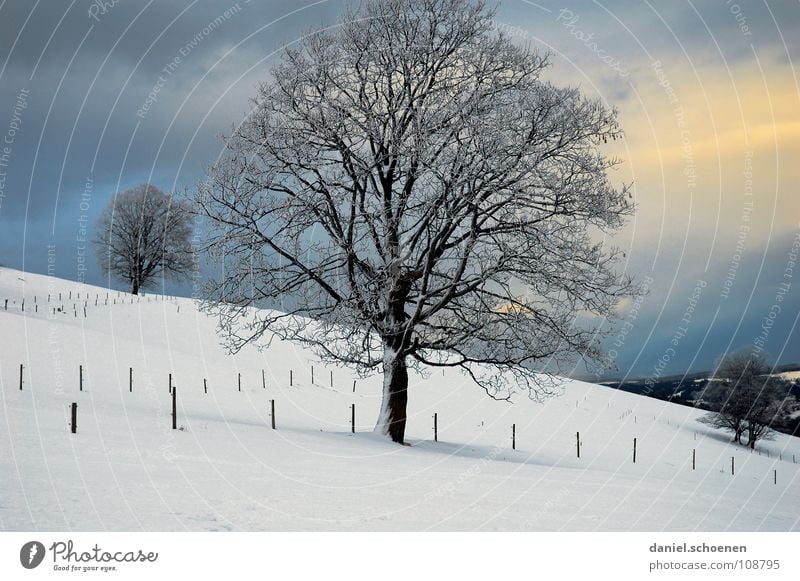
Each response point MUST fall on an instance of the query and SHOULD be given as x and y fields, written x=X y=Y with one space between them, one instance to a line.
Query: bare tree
x=417 y=195
x=144 y=234
x=748 y=398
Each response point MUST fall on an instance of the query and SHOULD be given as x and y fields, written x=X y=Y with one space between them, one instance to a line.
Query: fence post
x=74 y=418
x=130 y=379
x=733 y=467
x=240 y=381
x=312 y=375
x=513 y=436
x=290 y=378
x=20 y=376
x=578 y=443
x=80 y=377
x=263 y=380
x=435 y=427
x=694 y=453
x=170 y=383
x=353 y=417
x=272 y=412
x=634 y=450
x=205 y=386
x=354 y=386
x=775 y=476
x=174 y=409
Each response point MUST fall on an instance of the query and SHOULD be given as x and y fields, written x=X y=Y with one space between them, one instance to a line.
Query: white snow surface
x=226 y=469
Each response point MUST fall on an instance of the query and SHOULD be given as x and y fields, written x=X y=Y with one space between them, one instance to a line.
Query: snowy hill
x=226 y=469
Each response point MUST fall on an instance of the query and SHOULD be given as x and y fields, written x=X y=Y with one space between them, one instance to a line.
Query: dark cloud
x=691 y=315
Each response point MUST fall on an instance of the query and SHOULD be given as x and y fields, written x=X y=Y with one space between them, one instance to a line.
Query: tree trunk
x=752 y=438
x=134 y=287
x=392 y=418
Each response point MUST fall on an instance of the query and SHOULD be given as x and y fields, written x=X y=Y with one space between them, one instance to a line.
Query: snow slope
x=226 y=469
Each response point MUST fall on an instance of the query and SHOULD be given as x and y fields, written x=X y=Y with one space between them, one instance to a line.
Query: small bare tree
x=415 y=194
x=747 y=398
x=144 y=234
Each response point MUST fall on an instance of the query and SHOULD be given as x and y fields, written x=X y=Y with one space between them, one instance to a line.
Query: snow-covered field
x=789 y=375
x=226 y=469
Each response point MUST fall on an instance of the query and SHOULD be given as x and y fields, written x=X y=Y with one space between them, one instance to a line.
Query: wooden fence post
x=775 y=476
x=733 y=467
x=694 y=453
x=74 y=418
x=205 y=386
x=174 y=408
x=130 y=379
x=290 y=378
x=513 y=436
x=170 y=383
x=240 y=381
x=354 y=386
x=435 y=427
x=578 y=443
x=634 y=450
x=20 y=376
x=331 y=379
x=312 y=375
x=272 y=412
x=353 y=418
x=263 y=379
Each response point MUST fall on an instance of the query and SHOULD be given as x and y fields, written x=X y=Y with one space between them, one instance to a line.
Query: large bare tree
x=144 y=234
x=414 y=193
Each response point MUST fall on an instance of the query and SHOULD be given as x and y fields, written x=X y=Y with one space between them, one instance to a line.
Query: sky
x=96 y=97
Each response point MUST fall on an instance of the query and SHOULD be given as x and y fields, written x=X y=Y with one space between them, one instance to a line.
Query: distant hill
x=688 y=389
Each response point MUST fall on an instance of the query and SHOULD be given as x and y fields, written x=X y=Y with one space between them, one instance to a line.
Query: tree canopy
x=412 y=192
